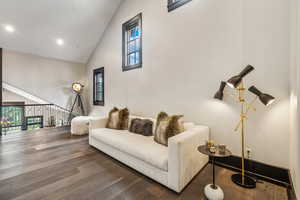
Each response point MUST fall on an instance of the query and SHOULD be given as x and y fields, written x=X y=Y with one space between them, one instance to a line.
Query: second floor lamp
x=236 y=82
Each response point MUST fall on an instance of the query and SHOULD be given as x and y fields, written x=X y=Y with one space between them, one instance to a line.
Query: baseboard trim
x=258 y=170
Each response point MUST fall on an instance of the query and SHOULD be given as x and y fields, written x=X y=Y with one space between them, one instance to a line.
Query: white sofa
x=173 y=166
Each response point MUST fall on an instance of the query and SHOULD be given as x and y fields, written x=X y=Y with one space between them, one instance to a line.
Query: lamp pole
x=242 y=179
x=243 y=132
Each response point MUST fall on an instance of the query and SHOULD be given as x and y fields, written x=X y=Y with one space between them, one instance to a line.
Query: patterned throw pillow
x=123 y=119
x=118 y=119
x=167 y=126
x=141 y=126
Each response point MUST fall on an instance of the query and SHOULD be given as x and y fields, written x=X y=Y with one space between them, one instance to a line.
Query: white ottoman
x=80 y=125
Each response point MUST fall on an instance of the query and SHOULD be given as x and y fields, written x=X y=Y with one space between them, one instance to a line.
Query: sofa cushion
x=138 y=146
x=187 y=125
x=118 y=119
x=141 y=126
x=131 y=117
x=167 y=126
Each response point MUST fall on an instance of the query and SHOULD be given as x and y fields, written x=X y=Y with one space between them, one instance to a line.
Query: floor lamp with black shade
x=236 y=82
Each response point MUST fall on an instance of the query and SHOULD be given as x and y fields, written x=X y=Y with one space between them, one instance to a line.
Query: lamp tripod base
x=247 y=183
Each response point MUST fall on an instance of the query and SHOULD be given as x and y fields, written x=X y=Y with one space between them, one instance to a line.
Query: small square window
x=34 y=122
x=132 y=43
x=173 y=4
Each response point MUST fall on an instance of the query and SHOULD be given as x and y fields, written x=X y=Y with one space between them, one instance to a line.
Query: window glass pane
x=99 y=87
x=137 y=44
x=99 y=96
x=34 y=123
x=98 y=77
x=137 y=57
x=137 y=32
x=132 y=34
x=131 y=59
x=131 y=47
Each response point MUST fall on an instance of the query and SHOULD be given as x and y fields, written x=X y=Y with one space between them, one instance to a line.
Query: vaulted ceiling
x=35 y=26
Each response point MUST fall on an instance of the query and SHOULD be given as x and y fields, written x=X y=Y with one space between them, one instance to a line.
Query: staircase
x=20 y=116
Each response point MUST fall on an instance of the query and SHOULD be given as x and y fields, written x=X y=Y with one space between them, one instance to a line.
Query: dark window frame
x=173 y=5
x=41 y=123
x=135 y=21
x=95 y=72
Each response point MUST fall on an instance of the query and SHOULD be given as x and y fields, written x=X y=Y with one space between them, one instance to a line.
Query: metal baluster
x=43 y=114
x=57 y=117
x=51 y=115
x=47 y=113
x=61 y=117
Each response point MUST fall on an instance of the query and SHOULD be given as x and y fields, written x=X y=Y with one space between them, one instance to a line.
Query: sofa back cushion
x=131 y=117
x=118 y=119
x=167 y=126
x=186 y=125
x=141 y=126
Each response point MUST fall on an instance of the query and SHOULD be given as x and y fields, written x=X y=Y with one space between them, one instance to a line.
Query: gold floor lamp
x=236 y=82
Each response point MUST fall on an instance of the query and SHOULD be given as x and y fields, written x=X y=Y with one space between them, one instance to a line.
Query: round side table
x=213 y=191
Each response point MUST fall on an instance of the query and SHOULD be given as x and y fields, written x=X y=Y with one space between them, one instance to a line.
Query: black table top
x=203 y=149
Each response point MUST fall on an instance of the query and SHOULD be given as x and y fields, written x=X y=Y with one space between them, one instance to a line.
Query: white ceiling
x=38 y=23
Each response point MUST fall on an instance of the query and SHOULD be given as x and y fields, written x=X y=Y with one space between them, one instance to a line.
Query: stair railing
x=18 y=117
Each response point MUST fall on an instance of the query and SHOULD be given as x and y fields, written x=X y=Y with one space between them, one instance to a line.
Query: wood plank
x=50 y=164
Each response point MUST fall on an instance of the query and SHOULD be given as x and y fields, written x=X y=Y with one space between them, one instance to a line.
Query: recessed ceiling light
x=9 y=28
x=60 y=42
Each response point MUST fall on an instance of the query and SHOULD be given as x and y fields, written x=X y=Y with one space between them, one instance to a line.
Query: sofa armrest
x=99 y=122
x=184 y=160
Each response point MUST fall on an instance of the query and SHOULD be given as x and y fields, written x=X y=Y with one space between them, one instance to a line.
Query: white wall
x=12 y=97
x=295 y=96
x=46 y=78
x=186 y=53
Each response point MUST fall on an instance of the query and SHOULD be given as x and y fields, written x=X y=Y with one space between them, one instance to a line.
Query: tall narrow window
x=173 y=4
x=99 y=86
x=132 y=43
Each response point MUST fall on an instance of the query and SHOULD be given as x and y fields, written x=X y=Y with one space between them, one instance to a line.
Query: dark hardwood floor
x=50 y=164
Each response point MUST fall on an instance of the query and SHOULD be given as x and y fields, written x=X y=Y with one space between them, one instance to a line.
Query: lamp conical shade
x=266 y=99
x=235 y=81
x=255 y=91
x=246 y=71
x=220 y=93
